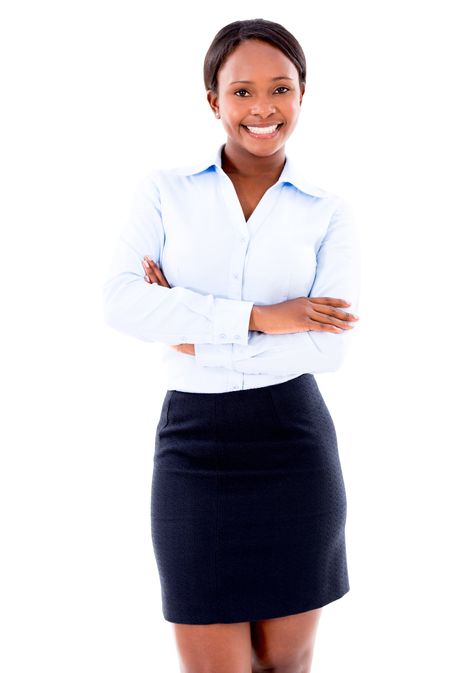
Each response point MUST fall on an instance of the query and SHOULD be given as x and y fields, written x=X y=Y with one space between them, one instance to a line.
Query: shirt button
x=243 y=240
x=235 y=387
x=237 y=336
x=236 y=275
x=222 y=336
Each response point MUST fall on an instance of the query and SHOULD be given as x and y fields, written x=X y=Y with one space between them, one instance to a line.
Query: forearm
x=256 y=323
x=171 y=315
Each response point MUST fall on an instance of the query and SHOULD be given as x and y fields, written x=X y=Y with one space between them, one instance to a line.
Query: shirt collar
x=290 y=172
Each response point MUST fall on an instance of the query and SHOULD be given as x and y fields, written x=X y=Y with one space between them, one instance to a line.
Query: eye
x=239 y=90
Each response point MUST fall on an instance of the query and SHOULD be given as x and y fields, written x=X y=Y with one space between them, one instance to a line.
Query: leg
x=214 y=648
x=285 y=644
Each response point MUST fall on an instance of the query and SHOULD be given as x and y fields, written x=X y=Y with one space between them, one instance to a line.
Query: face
x=270 y=95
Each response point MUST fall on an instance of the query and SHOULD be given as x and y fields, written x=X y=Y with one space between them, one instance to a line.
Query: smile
x=262 y=131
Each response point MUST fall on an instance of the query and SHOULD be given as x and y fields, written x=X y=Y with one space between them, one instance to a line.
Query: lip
x=262 y=126
x=266 y=136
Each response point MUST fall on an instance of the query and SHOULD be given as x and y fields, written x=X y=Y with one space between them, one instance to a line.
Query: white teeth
x=262 y=130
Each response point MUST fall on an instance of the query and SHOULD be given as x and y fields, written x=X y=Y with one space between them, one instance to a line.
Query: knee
x=301 y=663
x=288 y=668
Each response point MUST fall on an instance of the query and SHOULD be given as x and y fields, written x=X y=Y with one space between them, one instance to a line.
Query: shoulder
x=146 y=192
x=325 y=202
x=341 y=221
x=156 y=179
x=334 y=204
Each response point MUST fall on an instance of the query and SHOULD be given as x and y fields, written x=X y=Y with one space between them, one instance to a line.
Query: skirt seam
x=167 y=419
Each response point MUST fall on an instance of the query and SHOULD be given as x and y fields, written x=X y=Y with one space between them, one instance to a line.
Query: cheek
x=232 y=115
x=233 y=122
x=292 y=108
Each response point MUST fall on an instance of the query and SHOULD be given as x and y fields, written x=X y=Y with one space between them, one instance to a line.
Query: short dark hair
x=231 y=35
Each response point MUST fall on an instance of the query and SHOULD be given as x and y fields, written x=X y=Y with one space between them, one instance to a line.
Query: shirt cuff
x=213 y=355
x=232 y=319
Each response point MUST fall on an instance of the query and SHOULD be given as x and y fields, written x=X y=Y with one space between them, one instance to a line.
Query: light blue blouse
x=299 y=241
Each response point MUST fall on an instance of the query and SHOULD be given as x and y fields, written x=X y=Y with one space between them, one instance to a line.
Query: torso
x=249 y=193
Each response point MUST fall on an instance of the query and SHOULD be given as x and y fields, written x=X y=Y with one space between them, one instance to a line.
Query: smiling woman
x=261 y=115
x=250 y=270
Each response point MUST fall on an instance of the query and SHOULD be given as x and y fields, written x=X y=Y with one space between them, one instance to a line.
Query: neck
x=239 y=162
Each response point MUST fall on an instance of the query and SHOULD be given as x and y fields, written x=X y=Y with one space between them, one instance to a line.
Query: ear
x=212 y=100
x=302 y=94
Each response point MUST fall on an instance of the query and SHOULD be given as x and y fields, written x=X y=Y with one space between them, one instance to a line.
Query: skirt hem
x=270 y=614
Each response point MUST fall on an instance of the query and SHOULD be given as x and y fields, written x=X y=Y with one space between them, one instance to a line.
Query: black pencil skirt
x=248 y=504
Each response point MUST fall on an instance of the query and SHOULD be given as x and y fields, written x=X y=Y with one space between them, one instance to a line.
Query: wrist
x=257 y=319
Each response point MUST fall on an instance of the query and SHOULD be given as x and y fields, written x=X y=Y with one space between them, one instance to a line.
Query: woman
x=247 y=271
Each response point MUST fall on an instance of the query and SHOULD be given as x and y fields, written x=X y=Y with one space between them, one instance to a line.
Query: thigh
x=214 y=648
x=285 y=643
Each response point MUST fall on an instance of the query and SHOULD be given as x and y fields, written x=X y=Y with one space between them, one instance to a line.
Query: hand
x=304 y=314
x=153 y=274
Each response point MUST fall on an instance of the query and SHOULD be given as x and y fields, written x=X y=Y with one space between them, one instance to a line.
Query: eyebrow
x=247 y=81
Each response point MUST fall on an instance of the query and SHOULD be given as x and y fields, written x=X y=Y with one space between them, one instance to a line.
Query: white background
x=96 y=94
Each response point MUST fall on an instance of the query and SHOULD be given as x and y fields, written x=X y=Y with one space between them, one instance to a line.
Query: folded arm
x=151 y=312
x=337 y=275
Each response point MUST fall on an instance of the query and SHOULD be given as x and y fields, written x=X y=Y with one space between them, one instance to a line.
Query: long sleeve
x=151 y=312
x=337 y=275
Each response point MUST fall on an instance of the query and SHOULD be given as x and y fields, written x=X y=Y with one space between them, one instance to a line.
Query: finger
x=323 y=323
x=161 y=279
x=324 y=313
x=332 y=301
x=147 y=272
x=150 y=274
x=325 y=327
x=165 y=281
x=331 y=320
x=158 y=273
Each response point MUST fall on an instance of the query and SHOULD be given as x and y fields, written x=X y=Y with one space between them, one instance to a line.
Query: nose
x=262 y=106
